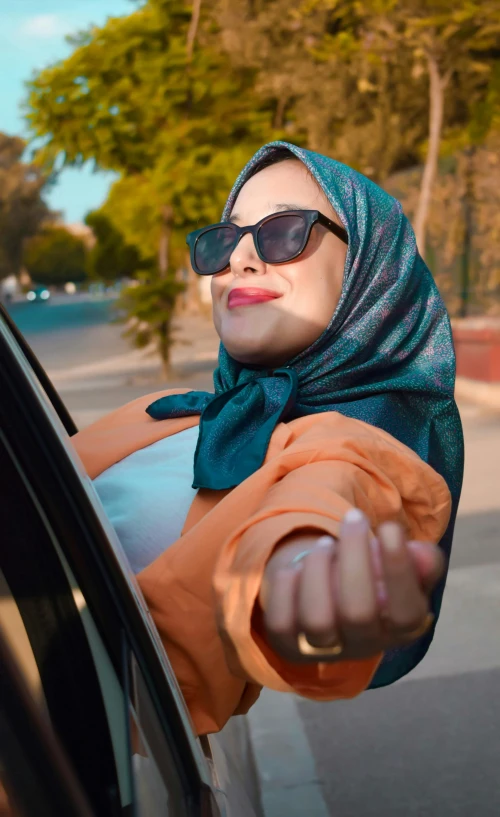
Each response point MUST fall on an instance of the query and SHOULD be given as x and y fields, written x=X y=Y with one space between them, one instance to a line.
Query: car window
x=38 y=371
x=35 y=775
x=157 y=788
x=14 y=631
x=64 y=566
x=38 y=604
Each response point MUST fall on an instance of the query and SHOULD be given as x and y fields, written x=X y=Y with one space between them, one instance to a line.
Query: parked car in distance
x=38 y=294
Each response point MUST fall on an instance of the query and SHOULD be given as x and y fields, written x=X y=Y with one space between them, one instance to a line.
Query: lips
x=250 y=296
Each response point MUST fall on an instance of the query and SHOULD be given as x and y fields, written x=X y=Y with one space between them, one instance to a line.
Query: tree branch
x=436 y=105
x=193 y=28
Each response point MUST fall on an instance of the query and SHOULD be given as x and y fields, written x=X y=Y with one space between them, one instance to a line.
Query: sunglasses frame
x=311 y=217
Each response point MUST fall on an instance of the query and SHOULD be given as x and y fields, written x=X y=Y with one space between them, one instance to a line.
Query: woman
x=333 y=420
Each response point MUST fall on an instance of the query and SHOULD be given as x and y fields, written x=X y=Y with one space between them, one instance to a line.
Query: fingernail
x=325 y=542
x=354 y=516
x=391 y=538
x=419 y=546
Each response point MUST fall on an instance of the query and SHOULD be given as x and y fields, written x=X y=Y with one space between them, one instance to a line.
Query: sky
x=32 y=36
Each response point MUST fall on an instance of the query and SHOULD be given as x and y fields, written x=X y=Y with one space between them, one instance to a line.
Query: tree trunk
x=164 y=350
x=193 y=296
x=166 y=226
x=467 y=245
x=437 y=85
x=280 y=112
x=193 y=28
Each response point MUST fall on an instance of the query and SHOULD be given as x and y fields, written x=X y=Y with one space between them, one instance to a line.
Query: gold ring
x=417 y=632
x=422 y=628
x=306 y=648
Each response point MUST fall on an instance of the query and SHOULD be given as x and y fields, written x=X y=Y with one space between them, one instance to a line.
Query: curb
x=287 y=776
x=478 y=392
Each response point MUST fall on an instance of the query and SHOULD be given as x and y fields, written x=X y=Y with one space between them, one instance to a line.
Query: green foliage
x=148 y=308
x=176 y=126
x=110 y=258
x=344 y=77
x=55 y=257
x=22 y=208
x=129 y=97
x=350 y=79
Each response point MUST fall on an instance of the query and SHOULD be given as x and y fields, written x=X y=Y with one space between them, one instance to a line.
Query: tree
x=328 y=88
x=111 y=258
x=166 y=111
x=148 y=310
x=55 y=256
x=22 y=208
x=454 y=46
x=131 y=97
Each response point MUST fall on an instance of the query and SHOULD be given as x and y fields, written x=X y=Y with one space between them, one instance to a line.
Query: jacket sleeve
x=340 y=464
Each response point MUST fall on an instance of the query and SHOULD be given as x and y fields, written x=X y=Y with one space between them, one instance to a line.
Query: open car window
x=35 y=776
x=95 y=647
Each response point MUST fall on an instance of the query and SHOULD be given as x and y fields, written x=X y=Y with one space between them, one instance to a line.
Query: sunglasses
x=278 y=238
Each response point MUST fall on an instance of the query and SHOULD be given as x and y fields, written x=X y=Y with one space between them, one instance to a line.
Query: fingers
x=299 y=599
x=315 y=603
x=363 y=593
x=356 y=592
x=407 y=603
x=280 y=611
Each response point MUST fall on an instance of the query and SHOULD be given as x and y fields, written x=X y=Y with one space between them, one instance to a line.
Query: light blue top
x=148 y=494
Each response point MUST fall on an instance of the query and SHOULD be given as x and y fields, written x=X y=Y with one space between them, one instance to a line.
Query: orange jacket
x=202 y=590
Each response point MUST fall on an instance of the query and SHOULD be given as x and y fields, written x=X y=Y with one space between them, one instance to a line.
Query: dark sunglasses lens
x=282 y=238
x=213 y=249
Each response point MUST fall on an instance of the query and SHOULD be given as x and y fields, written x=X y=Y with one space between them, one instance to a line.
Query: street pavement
x=428 y=745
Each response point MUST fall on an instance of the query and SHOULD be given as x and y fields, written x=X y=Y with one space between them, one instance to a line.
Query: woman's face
x=305 y=291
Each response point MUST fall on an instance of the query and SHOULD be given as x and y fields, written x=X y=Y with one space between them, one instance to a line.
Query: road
x=428 y=746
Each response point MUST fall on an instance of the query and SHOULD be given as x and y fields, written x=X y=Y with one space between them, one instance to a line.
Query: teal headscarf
x=385 y=358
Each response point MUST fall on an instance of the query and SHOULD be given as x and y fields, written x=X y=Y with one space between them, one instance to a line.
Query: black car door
x=106 y=684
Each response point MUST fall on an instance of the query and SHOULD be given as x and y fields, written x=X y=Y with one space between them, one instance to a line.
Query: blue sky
x=32 y=36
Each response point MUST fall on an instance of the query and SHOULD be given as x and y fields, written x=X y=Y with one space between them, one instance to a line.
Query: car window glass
x=146 y=768
x=159 y=745
x=113 y=697
x=15 y=632
x=157 y=789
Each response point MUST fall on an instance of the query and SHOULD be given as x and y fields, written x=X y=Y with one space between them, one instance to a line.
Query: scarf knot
x=235 y=425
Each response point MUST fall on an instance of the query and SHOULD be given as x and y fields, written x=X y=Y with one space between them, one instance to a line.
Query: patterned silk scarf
x=386 y=358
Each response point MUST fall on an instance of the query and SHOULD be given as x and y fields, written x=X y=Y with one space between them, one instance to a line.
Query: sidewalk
x=478 y=392
x=195 y=341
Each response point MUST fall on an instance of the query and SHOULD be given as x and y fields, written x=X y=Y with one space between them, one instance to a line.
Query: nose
x=244 y=259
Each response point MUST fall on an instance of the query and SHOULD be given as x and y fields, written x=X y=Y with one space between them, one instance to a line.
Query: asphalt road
x=428 y=746
x=69 y=333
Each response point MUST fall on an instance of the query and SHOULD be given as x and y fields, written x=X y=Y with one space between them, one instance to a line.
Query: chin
x=248 y=356
x=252 y=351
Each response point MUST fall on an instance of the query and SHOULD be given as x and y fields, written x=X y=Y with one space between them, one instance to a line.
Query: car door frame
x=38 y=445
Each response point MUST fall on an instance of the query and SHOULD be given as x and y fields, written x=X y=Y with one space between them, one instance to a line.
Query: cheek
x=218 y=285
x=315 y=290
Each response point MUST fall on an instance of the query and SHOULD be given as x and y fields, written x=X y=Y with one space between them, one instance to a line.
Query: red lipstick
x=250 y=295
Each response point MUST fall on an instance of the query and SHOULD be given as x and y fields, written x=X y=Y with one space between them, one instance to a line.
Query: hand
x=365 y=595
